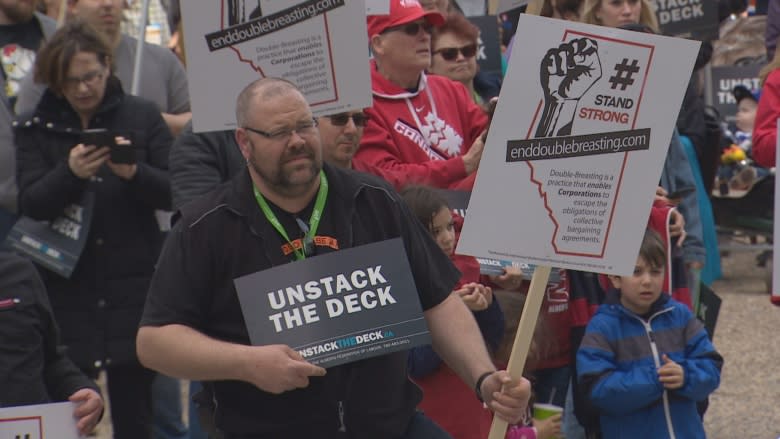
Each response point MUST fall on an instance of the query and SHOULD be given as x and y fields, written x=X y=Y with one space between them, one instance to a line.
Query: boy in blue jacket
x=645 y=360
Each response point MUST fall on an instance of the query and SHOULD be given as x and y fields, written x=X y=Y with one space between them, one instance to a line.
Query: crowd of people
x=152 y=301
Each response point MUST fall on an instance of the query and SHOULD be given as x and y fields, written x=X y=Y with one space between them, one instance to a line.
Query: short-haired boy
x=645 y=360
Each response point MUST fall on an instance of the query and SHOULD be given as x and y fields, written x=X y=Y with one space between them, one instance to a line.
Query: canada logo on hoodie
x=441 y=135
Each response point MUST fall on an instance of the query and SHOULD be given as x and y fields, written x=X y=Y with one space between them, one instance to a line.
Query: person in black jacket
x=33 y=366
x=99 y=307
x=193 y=326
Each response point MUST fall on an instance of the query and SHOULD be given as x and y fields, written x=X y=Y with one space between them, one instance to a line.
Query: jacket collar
x=343 y=190
x=382 y=87
x=613 y=298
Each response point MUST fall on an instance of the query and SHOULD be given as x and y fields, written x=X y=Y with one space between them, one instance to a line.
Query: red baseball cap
x=402 y=12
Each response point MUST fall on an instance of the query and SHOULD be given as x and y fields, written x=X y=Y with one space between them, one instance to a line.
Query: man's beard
x=281 y=181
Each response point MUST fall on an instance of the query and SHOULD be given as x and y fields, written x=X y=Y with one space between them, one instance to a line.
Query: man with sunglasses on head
x=193 y=328
x=426 y=128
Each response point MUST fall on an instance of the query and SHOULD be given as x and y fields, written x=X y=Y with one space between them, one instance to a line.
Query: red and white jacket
x=421 y=134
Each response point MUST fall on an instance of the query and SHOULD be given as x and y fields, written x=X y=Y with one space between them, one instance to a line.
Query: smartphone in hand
x=100 y=137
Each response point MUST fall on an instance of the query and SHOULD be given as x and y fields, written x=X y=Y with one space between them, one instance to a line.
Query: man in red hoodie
x=424 y=127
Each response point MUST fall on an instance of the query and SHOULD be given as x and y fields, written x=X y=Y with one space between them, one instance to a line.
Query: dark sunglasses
x=451 y=53
x=341 y=119
x=411 y=29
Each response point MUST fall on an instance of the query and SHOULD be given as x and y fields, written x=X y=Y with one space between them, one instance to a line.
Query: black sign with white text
x=488 y=44
x=724 y=79
x=338 y=307
x=697 y=19
x=55 y=245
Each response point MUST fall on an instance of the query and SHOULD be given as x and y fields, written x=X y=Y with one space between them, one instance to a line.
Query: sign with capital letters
x=696 y=19
x=42 y=421
x=576 y=146
x=338 y=307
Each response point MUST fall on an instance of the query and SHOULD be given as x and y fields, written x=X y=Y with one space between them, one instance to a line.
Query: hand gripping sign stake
x=525 y=332
x=533 y=303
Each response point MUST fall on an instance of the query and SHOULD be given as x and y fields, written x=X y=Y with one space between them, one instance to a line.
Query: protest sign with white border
x=377 y=7
x=41 y=421
x=319 y=45
x=338 y=307
x=574 y=155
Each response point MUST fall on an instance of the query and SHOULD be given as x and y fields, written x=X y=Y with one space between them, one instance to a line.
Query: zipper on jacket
x=342 y=426
x=657 y=361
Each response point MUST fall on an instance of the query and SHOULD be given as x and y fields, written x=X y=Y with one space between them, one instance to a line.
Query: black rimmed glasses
x=89 y=79
x=411 y=29
x=304 y=128
x=451 y=53
x=341 y=119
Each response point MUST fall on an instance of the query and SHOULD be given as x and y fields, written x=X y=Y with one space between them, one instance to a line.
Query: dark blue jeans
x=168 y=422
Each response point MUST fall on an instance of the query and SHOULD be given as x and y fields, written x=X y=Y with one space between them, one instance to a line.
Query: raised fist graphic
x=566 y=74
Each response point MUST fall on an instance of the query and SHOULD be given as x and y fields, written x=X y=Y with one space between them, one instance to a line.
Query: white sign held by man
x=576 y=146
x=41 y=421
x=319 y=45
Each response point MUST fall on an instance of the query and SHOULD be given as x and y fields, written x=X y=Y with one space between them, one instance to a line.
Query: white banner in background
x=320 y=45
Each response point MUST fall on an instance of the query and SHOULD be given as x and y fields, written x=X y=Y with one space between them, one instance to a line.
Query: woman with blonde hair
x=617 y=13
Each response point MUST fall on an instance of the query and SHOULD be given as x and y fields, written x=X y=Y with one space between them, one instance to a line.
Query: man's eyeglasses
x=451 y=53
x=341 y=119
x=89 y=79
x=305 y=128
x=411 y=29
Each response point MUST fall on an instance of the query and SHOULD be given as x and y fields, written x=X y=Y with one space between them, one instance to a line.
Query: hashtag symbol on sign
x=624 y=73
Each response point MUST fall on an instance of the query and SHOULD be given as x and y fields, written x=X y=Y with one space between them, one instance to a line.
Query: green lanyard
x=314 y=221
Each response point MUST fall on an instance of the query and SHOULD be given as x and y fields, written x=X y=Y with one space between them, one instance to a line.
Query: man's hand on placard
x=505 y=396
x=278 y=368
x=88 y=409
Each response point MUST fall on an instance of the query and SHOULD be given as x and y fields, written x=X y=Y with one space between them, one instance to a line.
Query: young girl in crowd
x=447 y=400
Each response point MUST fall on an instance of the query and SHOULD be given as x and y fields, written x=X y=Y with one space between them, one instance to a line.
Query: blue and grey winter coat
x=617 y=365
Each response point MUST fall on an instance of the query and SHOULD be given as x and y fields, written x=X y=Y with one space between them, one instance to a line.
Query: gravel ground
x=747 y=404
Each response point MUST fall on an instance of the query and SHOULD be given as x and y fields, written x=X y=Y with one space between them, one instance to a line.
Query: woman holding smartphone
x=99 y=307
